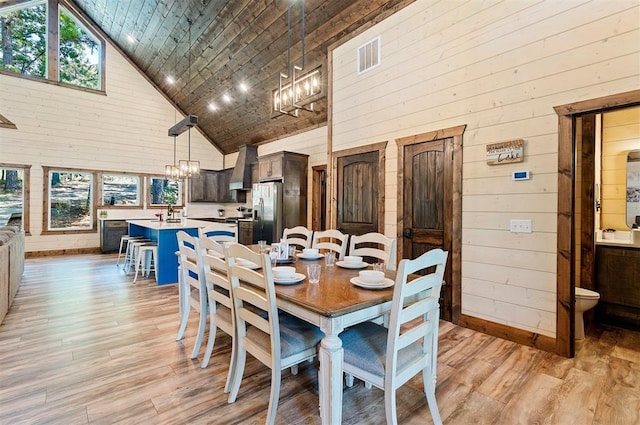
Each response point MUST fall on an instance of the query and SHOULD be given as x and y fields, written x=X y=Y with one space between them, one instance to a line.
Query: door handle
x=408 y=233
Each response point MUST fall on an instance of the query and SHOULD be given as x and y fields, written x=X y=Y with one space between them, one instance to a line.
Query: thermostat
x=520 y=175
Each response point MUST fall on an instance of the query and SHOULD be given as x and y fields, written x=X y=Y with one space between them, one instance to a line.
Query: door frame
x=456 y=206
x=316 y=196
x=565 y=277
x=381 y=149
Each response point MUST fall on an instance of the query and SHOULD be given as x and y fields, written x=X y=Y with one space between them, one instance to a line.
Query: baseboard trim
x=52 y=253
x=509 y=333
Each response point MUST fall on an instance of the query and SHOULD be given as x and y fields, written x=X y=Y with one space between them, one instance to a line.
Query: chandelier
x=296 y=90
x=186 y=168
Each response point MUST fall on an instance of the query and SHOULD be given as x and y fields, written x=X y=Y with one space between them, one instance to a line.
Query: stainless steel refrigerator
x=268 y=214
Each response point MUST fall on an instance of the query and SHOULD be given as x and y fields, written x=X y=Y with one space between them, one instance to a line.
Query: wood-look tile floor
x=82 y=344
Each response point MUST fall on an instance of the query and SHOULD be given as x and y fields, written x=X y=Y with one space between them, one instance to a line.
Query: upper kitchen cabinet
x=283 y=166
x=204 y=187
x=213 y=186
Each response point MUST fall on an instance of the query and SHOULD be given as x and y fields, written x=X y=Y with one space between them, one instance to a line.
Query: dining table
x=332 y=304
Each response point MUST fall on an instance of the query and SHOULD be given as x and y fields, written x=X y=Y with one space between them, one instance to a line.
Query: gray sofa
x=11 y=265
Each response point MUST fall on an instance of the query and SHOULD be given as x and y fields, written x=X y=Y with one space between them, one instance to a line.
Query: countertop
x=621 y=239
x=163 y=225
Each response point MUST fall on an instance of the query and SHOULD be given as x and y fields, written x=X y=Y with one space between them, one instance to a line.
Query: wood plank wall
x=123 y=130
x=499 y=68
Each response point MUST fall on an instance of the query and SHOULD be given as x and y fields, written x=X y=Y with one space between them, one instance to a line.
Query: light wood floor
x=81 y=344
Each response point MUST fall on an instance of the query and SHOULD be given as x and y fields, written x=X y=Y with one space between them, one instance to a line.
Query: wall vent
x=369 y=55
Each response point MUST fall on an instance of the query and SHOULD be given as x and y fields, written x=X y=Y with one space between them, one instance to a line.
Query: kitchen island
x=165 y=235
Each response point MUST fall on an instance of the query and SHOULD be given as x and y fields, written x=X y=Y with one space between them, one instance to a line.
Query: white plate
x=297 y=277
x=248 y=264
x=347 y=265
x=384 y=283
x=301 y=256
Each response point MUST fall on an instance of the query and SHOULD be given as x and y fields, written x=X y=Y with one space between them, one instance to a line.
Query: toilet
x=585 y=299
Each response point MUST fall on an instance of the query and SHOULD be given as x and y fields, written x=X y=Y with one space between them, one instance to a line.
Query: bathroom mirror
x=633 y=188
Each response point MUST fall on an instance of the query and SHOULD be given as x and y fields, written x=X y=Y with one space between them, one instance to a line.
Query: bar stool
x=131 y=254
x=149 y=263
x=124 y=243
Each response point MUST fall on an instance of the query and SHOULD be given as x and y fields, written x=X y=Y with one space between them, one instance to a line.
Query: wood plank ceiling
x=232 y=42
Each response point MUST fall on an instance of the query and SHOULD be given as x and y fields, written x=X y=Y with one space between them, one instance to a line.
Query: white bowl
x=371 y=276
x=353 y=259
x=283 y=272
x=310 y=252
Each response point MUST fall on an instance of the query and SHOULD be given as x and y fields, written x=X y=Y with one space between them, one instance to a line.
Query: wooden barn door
x=427 y=210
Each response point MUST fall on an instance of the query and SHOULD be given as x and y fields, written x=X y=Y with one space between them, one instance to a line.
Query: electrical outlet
x=520 y=226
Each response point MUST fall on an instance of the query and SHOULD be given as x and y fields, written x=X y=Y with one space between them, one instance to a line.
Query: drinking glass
x=379 y=267
x=313 y=271
x=292 y=251
x=329 y=258
x=273 y=255
x=263 y=246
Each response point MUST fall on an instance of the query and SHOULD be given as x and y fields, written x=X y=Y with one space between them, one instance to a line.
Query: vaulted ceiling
x=231 y=42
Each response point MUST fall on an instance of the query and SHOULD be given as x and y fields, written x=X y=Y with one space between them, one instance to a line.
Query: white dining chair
x=299 y=236
x=277 y=341
x=193 y=288
x=220 y=305
x=388 y=358
x=332 y=240
x=374 y=245
x=220 y=232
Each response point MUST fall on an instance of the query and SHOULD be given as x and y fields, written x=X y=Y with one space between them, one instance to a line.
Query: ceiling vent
x=369 y=55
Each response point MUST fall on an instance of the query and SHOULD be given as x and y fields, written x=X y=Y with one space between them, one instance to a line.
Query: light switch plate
x=520 y=226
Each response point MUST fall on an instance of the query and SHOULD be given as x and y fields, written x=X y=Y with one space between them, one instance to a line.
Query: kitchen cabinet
x=618 y=283
x=245 y=232
x=213 y=186
x=226 y=195
x=270 y=167
x=110 y=233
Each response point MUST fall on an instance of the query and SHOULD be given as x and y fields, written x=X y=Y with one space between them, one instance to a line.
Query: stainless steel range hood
x=241 y=176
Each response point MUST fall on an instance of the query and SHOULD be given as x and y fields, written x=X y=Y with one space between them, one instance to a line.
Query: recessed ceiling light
x=170 y=79
x=243 y=87
x=131 y=39
x=213 y=106
x=226 y=98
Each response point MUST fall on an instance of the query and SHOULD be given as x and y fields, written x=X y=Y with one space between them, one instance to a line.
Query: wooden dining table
x=332 y=304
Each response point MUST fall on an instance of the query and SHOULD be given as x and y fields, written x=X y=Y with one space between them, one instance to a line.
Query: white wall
x=499 y=68
x=126 y=130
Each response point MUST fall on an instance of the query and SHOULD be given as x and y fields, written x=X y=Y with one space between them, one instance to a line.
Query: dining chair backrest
x=220 y=302
x=418 y=298
x=254 y=292
x=254 y=300
x=384 y=248
x=389 y=357
x=193 y=289
x=333 y=240
x=220 y=232
x=212 y=247
x=299 y=235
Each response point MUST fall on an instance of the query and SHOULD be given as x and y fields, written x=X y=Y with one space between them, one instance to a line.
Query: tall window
x=14 y=209
x=70 y=200
x=24 y=39
x=79 y=53
x=25 y=29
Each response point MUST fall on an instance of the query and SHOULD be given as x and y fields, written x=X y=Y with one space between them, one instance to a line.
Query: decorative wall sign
x=505 y=152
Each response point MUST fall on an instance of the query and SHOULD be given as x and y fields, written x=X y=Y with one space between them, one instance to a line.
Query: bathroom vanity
x=618 y=282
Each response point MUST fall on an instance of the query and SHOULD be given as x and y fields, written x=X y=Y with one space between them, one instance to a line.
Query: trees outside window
x=120 y=190
x=70 y=197
x=24 y=40
x=12 y=205
x=23 y=36
x=164 y=191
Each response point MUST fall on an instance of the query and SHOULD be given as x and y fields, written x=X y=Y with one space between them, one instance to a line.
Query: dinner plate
x=384 y=283
x=297 y=277
x=248 y=264
x=317 y=257
x=347 y=265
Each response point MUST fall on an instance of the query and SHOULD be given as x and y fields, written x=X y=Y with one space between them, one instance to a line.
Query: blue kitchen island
x=165 y=235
